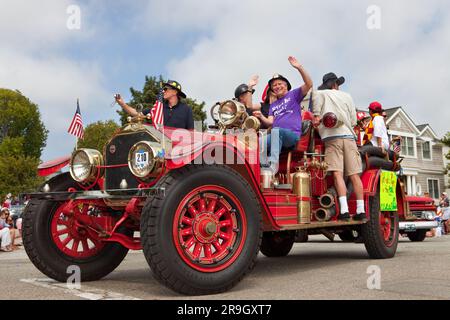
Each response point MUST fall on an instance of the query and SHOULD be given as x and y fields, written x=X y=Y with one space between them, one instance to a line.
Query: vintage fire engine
x=200 y=221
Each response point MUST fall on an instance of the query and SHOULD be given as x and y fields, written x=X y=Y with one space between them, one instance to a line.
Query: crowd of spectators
x=10 y=227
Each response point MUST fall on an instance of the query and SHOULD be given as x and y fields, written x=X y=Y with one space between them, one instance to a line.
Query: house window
x=426 y=150
x=407 y=146
x=433 y=188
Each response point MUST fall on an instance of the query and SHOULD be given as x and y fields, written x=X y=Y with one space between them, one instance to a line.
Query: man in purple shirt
x=285 y=115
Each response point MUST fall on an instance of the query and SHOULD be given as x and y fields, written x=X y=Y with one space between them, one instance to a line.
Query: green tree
x=446 y=141
x=19 y=117
x=18 y=174
x=22 y=139
x=148 y=95
x=97 y=134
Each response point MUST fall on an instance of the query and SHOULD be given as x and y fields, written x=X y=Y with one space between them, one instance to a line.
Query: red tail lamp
x=329 y=120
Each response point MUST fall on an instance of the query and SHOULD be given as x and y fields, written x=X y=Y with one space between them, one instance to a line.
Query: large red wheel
x=381 y=232
x=73 y=238
x=55 y=237
x=209 y=228
x=203 y=235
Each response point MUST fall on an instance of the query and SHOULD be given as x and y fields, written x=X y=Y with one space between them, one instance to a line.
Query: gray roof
x=422 y=126
x=390 y=112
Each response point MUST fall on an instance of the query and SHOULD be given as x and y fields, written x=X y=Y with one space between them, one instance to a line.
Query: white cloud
x=404 y=63
x=33 y=60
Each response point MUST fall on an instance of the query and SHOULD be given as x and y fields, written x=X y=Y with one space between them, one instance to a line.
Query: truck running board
x=317 y=225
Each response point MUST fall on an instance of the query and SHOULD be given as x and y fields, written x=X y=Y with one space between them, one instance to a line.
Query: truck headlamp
x=145 y=159
x=84 y=165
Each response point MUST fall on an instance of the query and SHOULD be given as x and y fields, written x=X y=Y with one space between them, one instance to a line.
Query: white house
x=423 y=166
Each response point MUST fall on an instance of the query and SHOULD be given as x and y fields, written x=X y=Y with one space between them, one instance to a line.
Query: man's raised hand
x=253 y=81
x=294 y=62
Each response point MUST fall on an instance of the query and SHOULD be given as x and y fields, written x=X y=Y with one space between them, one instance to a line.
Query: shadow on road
x=303 y=258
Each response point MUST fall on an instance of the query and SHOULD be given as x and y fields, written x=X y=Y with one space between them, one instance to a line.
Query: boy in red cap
x=376 y=131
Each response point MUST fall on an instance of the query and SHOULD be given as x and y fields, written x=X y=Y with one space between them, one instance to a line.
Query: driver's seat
x=307 y=127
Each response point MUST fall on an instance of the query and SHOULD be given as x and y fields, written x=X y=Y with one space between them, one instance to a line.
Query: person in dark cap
x=244 y=94
x=176 y=113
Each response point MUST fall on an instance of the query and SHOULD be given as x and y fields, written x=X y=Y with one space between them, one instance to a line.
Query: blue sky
x=212 y=46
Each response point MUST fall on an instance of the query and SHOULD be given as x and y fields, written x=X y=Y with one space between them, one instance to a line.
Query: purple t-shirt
x=287 y=111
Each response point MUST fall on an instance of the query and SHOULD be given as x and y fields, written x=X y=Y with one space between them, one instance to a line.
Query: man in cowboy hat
x=330 y=81
x=285 y=114
x=176 y=113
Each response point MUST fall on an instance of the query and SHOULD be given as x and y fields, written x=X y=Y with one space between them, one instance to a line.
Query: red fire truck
x=198 y=204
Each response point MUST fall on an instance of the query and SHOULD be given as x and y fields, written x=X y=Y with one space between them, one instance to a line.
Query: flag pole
x=76 y=141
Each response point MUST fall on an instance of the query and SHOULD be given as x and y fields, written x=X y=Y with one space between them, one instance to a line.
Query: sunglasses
x=167 y=88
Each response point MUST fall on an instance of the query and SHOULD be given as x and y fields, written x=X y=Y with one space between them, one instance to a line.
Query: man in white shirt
x=341 y=151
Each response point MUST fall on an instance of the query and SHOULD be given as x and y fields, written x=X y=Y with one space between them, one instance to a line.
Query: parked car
x=420 y=220
x=201 y=202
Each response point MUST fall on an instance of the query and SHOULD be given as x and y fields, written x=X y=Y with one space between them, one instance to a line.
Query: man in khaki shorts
x=341 y=151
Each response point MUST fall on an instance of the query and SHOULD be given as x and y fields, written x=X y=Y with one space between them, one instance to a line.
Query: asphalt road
x=318 y=269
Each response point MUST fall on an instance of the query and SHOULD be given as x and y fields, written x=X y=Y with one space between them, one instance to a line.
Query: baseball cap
x=376 y=107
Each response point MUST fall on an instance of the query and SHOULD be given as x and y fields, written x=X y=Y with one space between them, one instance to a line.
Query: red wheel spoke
x=220 y=212
x=190 y=243
x=186 y=232
x=66 y=241
x=62 y=231
x=225 y=223
x=197 y=250
x=96 y=242
x=202 y=205
x=217 y=246
x=207 y=250
x=224 y=236
x=192 y=211
x=85 y=245
x=75 y=245
x=62 y=222
x=187 y=221
x=211 y=205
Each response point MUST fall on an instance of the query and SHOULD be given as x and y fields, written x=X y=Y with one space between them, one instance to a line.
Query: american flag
x=397 y=145
x=157 y=110
x=76 y=126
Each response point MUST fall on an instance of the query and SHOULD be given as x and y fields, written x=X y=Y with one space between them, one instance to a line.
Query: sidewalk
x=18 y=253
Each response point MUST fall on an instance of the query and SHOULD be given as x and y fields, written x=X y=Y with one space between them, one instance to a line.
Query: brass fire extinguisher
x=302 y=189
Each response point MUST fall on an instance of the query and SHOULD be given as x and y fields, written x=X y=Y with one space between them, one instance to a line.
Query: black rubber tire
x=301 y=236
x=372 y=151
x=157 y=234
x=371 y=233
x=347 y=236
x=378 y=163
x=45 y=255
x=277 y=244
x=417 y=236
